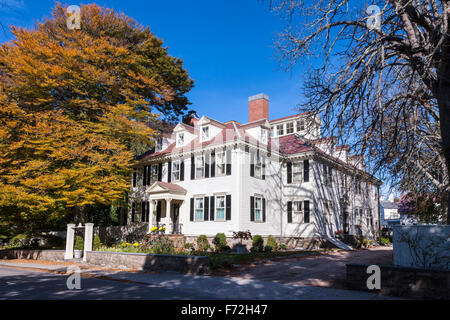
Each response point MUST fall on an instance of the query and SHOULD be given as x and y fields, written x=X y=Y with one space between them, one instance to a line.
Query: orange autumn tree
x=74 y=104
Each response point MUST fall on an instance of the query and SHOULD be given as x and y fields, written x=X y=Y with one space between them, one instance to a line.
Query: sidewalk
x=228 y=288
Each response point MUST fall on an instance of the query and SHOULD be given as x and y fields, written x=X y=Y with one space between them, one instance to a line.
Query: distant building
x=389 y=212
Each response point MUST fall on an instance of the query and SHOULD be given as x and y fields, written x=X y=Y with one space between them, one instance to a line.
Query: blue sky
x=227 y=47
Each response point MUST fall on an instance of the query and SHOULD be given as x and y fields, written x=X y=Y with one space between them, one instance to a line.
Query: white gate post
x=69 y=241
x=88 y=237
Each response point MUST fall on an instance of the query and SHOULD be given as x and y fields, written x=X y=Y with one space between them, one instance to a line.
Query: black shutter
x=158 y=211
x=206 y=165
x=192 y=168
x=182 y=170
x=306 y=170
x=252 y=208
x=264 y=168
x=228 y=155
x=206 y=209
x=149 y=171
x=144 y=176
x=306 y=211
x=143 y=210
x=289 y=172
x=169 y=170
x=289 y=211
x=159 y=171
x=211 y=207
x=213 y=164
x=191 y=218
x=252 y=165
x=147 y=213
x=264 y=209
x=228 y=207
x=133 y=211
x=134 y=178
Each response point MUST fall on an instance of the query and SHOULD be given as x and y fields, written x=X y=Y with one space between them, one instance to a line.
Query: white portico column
x=88 y=238
x=168 y=201
x=150 y=218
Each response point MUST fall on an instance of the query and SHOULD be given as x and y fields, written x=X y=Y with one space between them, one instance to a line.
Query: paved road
x=324 y=271
x=27 y=284
x=18 y=283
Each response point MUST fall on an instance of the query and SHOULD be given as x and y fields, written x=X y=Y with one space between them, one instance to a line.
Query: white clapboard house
x=272 y=177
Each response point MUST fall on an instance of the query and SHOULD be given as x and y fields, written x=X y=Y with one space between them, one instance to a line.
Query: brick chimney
x=258 y=107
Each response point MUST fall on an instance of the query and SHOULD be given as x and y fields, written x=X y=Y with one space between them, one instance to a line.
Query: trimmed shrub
x=163 y=245
x=267 y=249
x=79 y=243
x=272 y=243
x=203 y=243
x=258 y=244
x=220 y=242
x=96 y=243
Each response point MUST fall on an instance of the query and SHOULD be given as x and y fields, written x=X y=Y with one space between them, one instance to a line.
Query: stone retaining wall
x=51 y=255
x=403 y=281
x=150 y=262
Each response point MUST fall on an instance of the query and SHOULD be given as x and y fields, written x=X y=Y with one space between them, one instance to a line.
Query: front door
x=176 y=219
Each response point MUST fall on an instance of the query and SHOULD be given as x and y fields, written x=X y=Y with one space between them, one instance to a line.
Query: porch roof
x=160 y=187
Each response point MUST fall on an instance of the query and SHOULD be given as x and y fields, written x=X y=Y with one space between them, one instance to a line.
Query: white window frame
x=300 y=125
x=197 y=209
x=258 y=165
x=280 y=129
x=260 y=209
x=327 y=175
x=205 y=137
x=297 y=172
x=216 y=207
x=174 y=172
x=159 y=144
x=221 y=163
x=263 y=135
x=154 y=173
x=197 y=167
x=290 y=127
x=180 y=139
x=297 y=214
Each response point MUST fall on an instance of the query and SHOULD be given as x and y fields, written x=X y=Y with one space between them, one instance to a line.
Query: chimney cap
x=258 y=97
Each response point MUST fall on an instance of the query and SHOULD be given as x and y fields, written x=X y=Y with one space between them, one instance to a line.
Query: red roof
x=171 y=186
x=291 y=144
x=288 y=117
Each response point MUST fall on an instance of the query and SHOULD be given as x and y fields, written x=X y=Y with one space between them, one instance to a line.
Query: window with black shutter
x=160 y=172
x=133 y=211
x=134 y=178
x=264 y=209
x=207 y=165
x=144 y=175
x=143 y=210
x=158 y=211
x=289 y=211
x=263 y=169
x=169 y=168
x=211 y=208
x=191 y=216
x=306 y=170
x=252 y=165
x=289 y=172
x=306 y=218
x=228 y=207
x=147 y=212
x=213 y=164
x=182 y=170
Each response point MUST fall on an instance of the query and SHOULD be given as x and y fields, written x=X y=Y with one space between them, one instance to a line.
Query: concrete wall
x=423 y=246
x=51 y=255
x=151 y=262
x=401 y=281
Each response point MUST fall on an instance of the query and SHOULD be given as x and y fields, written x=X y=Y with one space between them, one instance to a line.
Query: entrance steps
x=337 y=243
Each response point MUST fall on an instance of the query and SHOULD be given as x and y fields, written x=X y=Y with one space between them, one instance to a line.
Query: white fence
x=422 y=246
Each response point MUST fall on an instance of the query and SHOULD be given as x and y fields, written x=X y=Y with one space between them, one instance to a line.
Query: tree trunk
x=79 y=215
x=443 y=98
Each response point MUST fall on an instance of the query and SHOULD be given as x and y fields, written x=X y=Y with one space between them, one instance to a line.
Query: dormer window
x=280 y=130
x=301 y=125
x=205 y=133
x=159 y=144
x=289 y=127
x=180 y=139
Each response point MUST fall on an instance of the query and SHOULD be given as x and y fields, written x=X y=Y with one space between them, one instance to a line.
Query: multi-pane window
x=264 y=135
x=297 y=211
x=159 y=144
x=199 y=209
x=176 y=170
x=297 y=172
x=358 y=186
x=258 y=209
x=180 y=139
x=300 y=125
x=272 y=132
x=221 y=163
x=327 y=175
x=154 y=174
x=205 y=133
x=258 y=166
x=328 y=210
x=289 y=127
x=280 y=130
x=199 y=167
x=220 y=208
